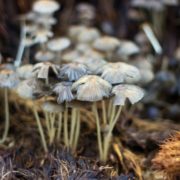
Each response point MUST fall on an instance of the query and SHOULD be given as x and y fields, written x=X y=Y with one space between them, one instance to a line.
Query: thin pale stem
x=109 y=108
x=6 y=130
x=104 y=112
x=52 y=117
x=112 y=114
x=43 y=139
x=59 y=126
x=47 y=122
x=73 y=123
x=77 y=130
x=99 y=138
x=66 y=140
x=107 y=138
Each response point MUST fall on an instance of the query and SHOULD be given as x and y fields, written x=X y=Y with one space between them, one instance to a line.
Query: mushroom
x=116 y=73
x=42 y=70
x=121 y=92
x=32 y=89
x=69 y=56
x=58 y=45
x=93 y=88
x=88 y=35
x=8 y=80
x=25 y=71
x=44 y=56
x=126 y=49
x=45 y=7
x=107 y=45
x=63 y=90
x=53 y=112
x=73 y=71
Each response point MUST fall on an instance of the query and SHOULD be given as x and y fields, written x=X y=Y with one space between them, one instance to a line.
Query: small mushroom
x=44 y=56
x=120 y=72
x=91 y=88
x=63 y=90
x=73 y=71
x=74 y=31
x=45 y=7
x=125 y=91
x=25 y=71
x=42 y=70
x=8 y=80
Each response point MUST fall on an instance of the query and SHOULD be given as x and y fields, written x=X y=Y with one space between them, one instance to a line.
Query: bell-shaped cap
x=73 y=71
x=44 y=56
x=91 y=88
x=124 y=91
x=120 y=72
x=63 y=90
x=45 y=6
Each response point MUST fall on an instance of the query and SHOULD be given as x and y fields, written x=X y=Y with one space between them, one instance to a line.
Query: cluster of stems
x=110 y=116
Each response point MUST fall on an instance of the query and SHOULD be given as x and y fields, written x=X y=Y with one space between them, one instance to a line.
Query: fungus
x=44 y=56
x=63 y=90
x=42 y=70
x=25 y=71
x=8 y=80
x=120 y=72
x=92 y=88
x=32 y=89
x=73 y=71
x=53 y=112
x=45 y=7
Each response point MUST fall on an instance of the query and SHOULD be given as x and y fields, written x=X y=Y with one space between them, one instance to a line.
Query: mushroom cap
x=142 y=63
x=94 y=64
x=46 y=20
x=45 y=6
x=29 y=89
x=106 y=43
x=75 y=30
x=41 y=70
x=8 y=78
x=82 y=47
x=120 y=72
x=25 y=71
x=150 y=4
x=63 y=90
x=58 y=44
x=127 y=48
x=73 y=71
x=44 y=56
x=42 y=35
x=91 y=88
x=52 y=107
x=70 y=56
x=88 y=35
x=146 y=76
x=124 y=91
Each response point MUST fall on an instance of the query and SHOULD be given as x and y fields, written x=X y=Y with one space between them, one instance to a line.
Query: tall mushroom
x=8 y=80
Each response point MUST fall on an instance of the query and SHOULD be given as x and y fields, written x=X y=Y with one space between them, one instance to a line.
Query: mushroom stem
x=77 y=131
x=110 y=107
x=6 y=116
x=113 y=111
x=73 y=124
x=107 y=138
x=40 y=129
x=66 y=141
x=104 y=112
x=21 y=47
x=59 y=126
x=47 y=122
x=99 y=138
x=52 y=128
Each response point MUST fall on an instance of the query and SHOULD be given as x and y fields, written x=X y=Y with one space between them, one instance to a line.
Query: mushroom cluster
x=72 y=71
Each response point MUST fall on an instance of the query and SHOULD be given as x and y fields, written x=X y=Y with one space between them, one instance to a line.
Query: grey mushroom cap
x=44 y=56
x=131 y=92
x=73 y=71
x=63 y=90
x=120 y=72
x=106 y=43
x=41 y=70
x=25 y=71
x=52 y=107
x=8 y=78
x=58 y=44
x=29 y=89
x=91 y=88
x=45 y=6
